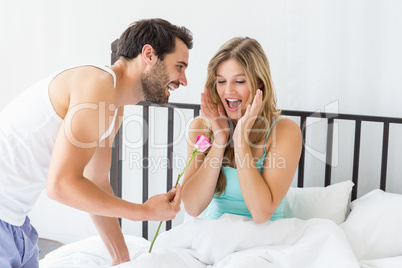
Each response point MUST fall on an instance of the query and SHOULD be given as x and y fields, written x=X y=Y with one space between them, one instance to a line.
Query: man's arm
x=75 y=176
x=75 y=145
x=88 y=117
x=97 y=171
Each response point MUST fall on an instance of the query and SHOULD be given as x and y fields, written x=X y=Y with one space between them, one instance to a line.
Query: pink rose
x=202 y=143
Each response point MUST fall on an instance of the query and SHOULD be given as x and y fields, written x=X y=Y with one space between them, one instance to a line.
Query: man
x=59 y=133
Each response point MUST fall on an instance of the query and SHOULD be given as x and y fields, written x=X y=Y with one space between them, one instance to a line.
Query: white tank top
x=28 y=130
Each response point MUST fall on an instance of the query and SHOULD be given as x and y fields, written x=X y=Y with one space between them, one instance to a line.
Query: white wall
x=43 y=36
x=345 y=57
x=335 y=54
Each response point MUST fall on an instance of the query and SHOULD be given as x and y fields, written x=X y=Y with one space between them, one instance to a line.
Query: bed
x=336 y=219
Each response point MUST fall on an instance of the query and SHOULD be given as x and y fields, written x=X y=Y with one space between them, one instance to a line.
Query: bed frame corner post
x=114 y=51
x=356 y=158
x=384 y=158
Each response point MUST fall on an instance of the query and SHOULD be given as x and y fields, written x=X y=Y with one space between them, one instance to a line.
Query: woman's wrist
x=239 y=141
x=220 y=141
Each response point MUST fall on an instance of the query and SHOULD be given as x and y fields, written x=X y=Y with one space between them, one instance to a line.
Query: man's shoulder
x=95 y=74
x=92 y=82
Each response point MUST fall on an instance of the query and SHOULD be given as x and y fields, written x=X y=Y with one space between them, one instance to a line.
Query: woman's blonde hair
x=251 y=56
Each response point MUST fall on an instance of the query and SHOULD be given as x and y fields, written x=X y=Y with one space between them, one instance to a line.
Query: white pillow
x=329 y=202
x=374 y=226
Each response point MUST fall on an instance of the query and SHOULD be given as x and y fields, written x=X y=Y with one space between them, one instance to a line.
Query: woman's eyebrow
x=236 y=75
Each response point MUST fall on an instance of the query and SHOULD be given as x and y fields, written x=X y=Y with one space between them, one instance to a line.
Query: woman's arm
x=202 y=174
x=264 y=192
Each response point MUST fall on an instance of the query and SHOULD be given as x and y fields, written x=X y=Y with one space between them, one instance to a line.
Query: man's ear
x=148 y=54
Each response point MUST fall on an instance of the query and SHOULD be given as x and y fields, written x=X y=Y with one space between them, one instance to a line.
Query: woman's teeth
x=233 y=103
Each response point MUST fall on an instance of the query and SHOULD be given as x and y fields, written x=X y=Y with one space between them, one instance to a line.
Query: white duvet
x=231 y=241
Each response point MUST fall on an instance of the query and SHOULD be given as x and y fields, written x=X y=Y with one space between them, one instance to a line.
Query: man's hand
x=163 y=207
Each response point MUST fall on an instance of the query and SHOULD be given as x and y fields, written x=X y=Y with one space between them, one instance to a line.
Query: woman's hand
x=246 y=122
x=217 y=118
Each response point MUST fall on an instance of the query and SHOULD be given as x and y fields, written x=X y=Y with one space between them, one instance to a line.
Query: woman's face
x=232 y=87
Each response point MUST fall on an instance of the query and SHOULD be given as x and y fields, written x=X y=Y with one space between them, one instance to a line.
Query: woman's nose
x=230 y=87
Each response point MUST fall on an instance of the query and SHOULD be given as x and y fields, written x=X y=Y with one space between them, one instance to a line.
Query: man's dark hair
x=158 y=33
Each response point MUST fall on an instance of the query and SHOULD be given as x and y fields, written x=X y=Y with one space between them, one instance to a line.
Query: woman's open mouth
x=233 y=104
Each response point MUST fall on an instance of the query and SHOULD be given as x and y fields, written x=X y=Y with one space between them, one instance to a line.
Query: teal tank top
x=231 y=200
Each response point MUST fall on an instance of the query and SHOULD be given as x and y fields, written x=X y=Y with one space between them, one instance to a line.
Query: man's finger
x=171 y=194
x=177 y=198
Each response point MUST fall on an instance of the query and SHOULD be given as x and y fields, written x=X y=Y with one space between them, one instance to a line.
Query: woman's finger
x=221 y=110
x=256 y=105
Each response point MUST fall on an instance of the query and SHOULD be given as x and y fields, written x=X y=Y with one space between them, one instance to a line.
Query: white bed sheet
x=231 y=241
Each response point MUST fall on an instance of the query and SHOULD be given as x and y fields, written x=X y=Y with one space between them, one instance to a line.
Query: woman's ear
x=148 y=54
x=260 y=84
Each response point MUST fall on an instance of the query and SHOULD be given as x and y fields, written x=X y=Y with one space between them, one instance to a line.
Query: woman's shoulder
x=285 y=138
x=287 y=128
x=200 y=122
x=286 y=122
x=199 y=126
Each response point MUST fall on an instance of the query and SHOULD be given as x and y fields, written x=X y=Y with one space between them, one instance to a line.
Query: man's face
x=154 y=83
x=166 y=75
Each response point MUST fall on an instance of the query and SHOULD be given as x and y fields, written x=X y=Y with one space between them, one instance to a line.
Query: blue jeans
x=18 y=245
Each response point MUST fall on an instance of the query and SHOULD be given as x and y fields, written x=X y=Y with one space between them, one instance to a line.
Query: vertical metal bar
x=356 y=158
x=169 y=182
x=196 y=112
x=330 y=140
x=300 y=175
x=117 y=165
x=120 y=164
x=113 y=58
x=117 y=150
x=145 y=158
x=384 y=160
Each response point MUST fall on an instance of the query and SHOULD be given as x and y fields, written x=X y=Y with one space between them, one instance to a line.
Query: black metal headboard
x=116 y=170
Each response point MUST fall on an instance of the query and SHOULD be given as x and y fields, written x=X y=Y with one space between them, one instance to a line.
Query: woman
x=255 y=152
